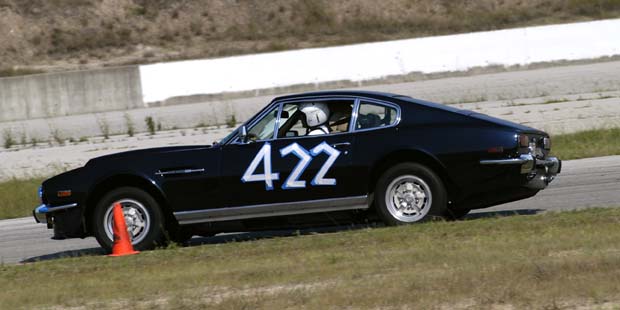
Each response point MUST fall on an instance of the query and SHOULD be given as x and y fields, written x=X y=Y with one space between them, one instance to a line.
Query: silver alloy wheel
x=408 y=198
x=137 y=219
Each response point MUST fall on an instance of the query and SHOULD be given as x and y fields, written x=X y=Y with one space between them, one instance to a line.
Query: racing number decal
x=264 y=155
x=305 y=157
x=304 y=160
x=333 y=153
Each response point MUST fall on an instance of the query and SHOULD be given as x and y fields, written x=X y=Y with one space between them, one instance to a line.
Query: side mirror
x=243 y=134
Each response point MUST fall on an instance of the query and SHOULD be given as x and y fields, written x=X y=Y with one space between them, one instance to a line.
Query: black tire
x=455 y=215
x=181 y=235
x=425 y=192
x=147 y=212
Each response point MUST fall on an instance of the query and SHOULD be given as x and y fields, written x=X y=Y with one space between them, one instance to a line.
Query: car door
x=291 y=166
x=254 y=153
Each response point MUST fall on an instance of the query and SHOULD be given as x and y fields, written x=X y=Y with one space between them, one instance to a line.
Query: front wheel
x=409 y=193
x=143 y=218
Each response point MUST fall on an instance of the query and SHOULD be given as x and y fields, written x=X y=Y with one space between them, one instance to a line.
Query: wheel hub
x=134 y=220
x=136 y=217
x=408 y=198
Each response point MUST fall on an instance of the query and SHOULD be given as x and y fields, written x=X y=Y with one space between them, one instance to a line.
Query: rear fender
x=416 y=156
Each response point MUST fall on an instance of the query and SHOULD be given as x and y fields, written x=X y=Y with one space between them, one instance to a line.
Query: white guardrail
x=368 y=61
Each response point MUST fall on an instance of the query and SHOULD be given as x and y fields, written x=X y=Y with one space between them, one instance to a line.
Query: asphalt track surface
x=583 y=183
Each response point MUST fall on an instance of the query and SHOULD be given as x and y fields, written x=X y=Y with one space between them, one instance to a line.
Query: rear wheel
x=143 y=218
x=409 y=193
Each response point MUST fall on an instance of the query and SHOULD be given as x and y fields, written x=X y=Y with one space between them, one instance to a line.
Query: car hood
x=146 y=152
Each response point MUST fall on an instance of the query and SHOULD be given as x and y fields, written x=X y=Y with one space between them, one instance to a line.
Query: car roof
x=370 y=94
x=357 y=93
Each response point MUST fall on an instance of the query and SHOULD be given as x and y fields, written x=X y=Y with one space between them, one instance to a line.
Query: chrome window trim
x=277 y=122
x=357 y=101
x=307 y=137
x=272 y=209
x=354 y=115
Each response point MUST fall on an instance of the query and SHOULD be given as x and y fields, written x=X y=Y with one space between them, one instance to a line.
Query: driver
x=317 y=114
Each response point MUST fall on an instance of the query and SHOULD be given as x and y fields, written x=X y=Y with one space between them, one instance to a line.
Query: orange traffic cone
x=122 y=243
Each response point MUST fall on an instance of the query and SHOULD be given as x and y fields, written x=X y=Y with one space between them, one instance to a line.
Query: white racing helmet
x=317 y=113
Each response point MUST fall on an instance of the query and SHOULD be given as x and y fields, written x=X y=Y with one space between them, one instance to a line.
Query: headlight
x=41 y=193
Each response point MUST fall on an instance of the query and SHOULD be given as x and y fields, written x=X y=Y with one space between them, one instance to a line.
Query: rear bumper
x=544 y=172
x=539 y=172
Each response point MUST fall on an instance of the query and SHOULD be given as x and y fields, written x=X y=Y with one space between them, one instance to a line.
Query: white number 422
x=304 y=156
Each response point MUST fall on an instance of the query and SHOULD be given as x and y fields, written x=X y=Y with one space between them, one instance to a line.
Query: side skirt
x=268 y=210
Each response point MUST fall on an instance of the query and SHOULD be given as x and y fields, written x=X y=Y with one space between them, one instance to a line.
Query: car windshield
x=259 y=131
x=265 y=127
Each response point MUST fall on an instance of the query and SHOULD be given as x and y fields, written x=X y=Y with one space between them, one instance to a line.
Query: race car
x=310 y=159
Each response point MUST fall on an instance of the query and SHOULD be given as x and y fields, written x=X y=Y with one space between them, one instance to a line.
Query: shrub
x=57 y=136
x=131 y=130
x=104 y=127
x=232 y=121
x=150 y=125
x=9 y=141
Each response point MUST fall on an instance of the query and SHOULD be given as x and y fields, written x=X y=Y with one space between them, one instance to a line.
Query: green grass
x=18 y=197
x=540 y=261
x=591 y=143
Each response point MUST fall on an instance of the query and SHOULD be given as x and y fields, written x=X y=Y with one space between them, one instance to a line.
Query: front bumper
x=66 y=220
x=539 y=172
x=43 y=212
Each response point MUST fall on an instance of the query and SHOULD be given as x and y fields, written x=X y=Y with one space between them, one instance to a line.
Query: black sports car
x=307 y=159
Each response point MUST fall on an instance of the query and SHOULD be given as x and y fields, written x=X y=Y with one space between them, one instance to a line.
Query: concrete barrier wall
x=360 y=62
x=69 y=93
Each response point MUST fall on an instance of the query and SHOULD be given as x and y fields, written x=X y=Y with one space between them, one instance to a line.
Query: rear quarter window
x=373 y=115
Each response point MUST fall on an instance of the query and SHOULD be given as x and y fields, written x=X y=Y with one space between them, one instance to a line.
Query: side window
x=264 y=128
x=290 y=121
x=372 y=115
x=309 y=118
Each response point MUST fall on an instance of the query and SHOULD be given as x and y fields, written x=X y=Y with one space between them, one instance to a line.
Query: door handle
x=341 y=144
